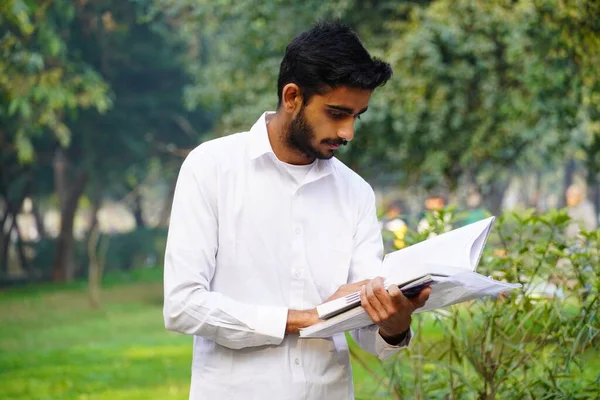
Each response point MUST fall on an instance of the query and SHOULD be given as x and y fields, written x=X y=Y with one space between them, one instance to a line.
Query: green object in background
x=54 y=346
x=474 y=215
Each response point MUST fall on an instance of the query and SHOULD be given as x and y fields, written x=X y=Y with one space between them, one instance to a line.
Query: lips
x=335 y=144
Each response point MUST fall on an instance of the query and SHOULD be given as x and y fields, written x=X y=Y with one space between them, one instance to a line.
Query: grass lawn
x=54 y=346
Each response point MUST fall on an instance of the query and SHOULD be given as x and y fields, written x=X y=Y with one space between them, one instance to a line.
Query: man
x=266 y=225
x=394 y=226
x=434 y=205
x=581 y=211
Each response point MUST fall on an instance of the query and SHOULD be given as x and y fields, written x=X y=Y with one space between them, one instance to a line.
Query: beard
x=300 y=136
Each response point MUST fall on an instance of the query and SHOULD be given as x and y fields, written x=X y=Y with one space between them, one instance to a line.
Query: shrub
x=126 y=251
x=526 y=344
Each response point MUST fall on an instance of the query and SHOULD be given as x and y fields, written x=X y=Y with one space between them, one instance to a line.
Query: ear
x=291 y=98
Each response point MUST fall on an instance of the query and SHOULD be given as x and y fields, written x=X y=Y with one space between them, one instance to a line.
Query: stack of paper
x=409 y=289
x=447 y=262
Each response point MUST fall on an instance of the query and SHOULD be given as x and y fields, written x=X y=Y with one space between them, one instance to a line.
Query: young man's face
x=327 y=121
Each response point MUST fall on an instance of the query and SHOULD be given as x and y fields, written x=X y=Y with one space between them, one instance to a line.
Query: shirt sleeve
x=366 y=264
x=190 y=306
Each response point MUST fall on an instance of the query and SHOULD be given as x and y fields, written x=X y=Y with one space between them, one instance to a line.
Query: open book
x=446 y=262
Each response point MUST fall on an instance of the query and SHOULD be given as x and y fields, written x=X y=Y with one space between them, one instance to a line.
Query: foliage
x=63 y=65
x=140 y=248
x=531 y=343
x=480 y=88
x=40 y=83
x=148 y=127
x=473 y=94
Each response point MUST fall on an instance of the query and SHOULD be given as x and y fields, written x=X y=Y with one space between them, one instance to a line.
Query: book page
x=454 y=254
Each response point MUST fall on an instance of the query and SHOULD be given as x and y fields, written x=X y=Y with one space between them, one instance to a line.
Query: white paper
x=455 y=254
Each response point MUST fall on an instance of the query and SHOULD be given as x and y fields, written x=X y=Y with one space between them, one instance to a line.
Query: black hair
x=327 y=56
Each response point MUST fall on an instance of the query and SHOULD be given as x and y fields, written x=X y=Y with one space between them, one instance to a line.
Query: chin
x=326 y=156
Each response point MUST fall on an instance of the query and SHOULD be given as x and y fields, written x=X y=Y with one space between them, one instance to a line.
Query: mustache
x=336 y=142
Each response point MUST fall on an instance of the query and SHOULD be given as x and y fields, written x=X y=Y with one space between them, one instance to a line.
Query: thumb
x=422 y=298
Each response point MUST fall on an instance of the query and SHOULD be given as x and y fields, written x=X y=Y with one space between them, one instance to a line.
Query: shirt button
x=297 y=273
x=298 y=231
x=297 y=361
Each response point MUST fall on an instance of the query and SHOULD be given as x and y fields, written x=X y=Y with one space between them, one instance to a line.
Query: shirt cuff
x=270 y=325
x=384 y=349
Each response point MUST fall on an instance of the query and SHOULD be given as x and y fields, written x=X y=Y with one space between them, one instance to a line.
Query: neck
x=277 y=129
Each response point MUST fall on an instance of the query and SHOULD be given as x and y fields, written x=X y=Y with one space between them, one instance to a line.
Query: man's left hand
x=390 y=309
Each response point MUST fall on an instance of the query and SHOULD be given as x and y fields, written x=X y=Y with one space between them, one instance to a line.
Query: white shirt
x=246 y=243
x=298 y=172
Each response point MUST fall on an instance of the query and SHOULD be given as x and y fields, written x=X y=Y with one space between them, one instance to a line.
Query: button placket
x=297 y=282
x=298 y=256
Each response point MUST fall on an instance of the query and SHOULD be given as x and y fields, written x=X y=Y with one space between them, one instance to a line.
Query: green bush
x=526 y=344
x=125 y=251
x=142 y=247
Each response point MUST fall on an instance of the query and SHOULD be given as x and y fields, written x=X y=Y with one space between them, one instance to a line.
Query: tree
x=39 y=86
x=142 y=62
x=474 y=97
x=480 y=88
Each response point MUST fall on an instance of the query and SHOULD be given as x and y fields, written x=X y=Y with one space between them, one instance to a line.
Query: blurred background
x=494 y=108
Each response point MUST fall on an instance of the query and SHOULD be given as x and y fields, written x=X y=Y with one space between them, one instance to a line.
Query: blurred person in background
x=475 y=212
x=434 y=206
x=394 y=223
x=267 y=224
x=581 y=211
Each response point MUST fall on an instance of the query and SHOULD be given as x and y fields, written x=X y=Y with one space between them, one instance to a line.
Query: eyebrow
x=346 y=109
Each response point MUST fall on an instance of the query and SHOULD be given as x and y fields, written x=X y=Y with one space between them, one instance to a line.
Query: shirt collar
x=259 y=142
x=260 y=145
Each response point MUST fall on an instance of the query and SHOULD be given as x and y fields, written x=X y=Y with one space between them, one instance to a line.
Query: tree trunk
x=570 y=168
x=166 y=209
x=596 y=198
x=5 y=243
x=96 y=256
x=39 y=221
x=25 y=266
x=495 y=196
x=63 y=266
x=137 y=209
x=538 y=198
x=94 y=269
x=3 y=250
x=593 y=187
x=10 y=216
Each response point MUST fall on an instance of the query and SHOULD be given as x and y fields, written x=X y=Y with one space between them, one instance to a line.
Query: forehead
x=353 y=98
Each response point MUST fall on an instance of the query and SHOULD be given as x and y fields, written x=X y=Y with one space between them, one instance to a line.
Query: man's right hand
x=301 y=319
x=347 y=289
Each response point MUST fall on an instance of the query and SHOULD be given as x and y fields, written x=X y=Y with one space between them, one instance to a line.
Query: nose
x=346 y=131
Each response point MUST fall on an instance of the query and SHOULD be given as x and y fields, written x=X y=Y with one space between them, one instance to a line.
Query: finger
x=378 y=290
x=373 y=314
x=373 y=294
x=400 y=301
x=396 y=295
x=391 y=298
x=420 y=300
x=357 y=285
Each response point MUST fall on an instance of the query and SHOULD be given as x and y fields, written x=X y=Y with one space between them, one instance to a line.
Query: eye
x=337 y=115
